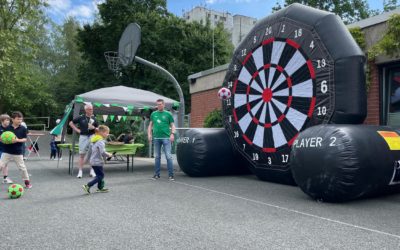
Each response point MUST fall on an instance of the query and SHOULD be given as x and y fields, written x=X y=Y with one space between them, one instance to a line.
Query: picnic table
x=128 y=150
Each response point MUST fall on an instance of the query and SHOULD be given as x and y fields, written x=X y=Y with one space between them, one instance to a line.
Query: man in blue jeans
x=161 y=130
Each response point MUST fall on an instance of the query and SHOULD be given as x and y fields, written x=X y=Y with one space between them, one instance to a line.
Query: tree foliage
x=214 y=119
x=68 y=62
x=349 y=10
x=181 y=48
x=389 y=5
x=359 y=37
x=22 y=35
x=390 y=43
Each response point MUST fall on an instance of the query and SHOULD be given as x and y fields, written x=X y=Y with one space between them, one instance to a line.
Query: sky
x=85 y=10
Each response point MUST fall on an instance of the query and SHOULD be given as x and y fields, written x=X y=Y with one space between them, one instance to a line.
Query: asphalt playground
x=228 y=212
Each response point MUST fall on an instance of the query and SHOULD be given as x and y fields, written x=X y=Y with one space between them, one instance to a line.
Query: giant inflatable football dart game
x=295 y=71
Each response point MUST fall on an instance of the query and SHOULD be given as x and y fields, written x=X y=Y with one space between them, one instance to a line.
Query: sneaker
x=79 y=174
x=92 y=173
x=7 y=181
x=103 y=190
x=155 y=177
x=171 y=178
x=86 y=188
x=29 y=186
x=60 y=159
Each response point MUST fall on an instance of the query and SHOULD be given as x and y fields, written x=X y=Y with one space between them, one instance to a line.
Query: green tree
x=214 y=119
x=68 y=64
x=181 y=48
x=22 y=82
x=349 y=10
x=389 y=5
x=277 y=6
x=390 y=43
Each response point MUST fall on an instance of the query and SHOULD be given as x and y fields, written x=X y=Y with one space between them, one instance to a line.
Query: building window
x=394 y=82
x=391 y=95
x=215 y=17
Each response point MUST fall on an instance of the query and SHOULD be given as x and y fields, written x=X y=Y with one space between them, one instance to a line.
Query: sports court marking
x=291 y=210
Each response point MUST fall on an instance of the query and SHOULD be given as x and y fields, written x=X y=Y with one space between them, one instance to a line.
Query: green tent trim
x=57 y=130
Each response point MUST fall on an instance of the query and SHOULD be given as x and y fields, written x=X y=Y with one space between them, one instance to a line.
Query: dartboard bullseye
x=282 y=79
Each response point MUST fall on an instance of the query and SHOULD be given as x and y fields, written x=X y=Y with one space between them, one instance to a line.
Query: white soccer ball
x=224 y=93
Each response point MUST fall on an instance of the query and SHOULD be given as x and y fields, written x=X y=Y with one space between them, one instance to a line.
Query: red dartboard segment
x=311 y=68
x=290 y=143
x=247 y=140
x=312 y=106
x=234 y=85
x=247 y=58
x=293 y=43
x=267 y=41
x=269 y=150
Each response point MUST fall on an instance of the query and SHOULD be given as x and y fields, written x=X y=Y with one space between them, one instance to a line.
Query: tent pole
x=176 y=84
x=77 y=108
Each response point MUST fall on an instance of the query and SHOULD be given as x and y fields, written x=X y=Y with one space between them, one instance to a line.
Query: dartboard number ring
x=281 y=83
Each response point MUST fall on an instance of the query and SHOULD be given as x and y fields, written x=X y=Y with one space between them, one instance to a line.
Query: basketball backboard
x=129 y=43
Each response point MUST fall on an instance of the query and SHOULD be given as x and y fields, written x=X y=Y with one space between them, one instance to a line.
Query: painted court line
x=292 y=210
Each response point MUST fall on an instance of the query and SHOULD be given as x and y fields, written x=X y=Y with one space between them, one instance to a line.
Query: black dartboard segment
x=282 y=80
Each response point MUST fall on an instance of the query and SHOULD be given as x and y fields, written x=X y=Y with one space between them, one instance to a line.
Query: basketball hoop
x=113 y=62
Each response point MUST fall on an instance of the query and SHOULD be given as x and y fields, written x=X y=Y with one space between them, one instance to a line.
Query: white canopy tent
x=117 y=100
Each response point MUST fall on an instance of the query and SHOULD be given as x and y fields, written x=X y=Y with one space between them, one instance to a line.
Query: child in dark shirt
x=5 y=123
x=14 y=151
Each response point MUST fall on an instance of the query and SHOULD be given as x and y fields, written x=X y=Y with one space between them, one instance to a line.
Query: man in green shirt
x=161 y=131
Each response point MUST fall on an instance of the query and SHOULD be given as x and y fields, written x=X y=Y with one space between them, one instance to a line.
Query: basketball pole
x=176 y=84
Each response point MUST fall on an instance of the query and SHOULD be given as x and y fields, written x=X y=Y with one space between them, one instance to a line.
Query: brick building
x=383 y=95
x=204 y=88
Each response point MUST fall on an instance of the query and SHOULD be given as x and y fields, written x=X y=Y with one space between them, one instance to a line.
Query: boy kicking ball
x=97 y=157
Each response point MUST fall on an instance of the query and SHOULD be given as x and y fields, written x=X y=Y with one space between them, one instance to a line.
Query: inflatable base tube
x=337 y=163
x=283 y=176
x=208 y=152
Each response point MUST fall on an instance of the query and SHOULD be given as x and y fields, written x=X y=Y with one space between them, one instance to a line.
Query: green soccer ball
x=15 y=191
x=7 y=137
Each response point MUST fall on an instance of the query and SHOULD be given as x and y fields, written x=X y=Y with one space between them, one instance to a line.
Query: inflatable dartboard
x=296 y=68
